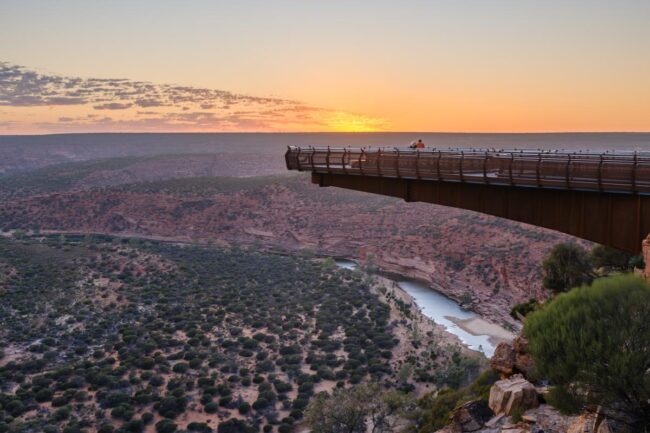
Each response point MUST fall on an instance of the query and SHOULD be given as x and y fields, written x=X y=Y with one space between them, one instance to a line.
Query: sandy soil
x=479 y=326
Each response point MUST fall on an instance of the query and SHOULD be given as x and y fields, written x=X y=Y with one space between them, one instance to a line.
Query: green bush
x=199 y=427
x=234 y=426
x=610 y=258
x=165 y=426
x=566 y=266
x=524 y=308
x=211 y=407
x=244 y=408
x=437 y=408
x=563 y=400
x=595 y=342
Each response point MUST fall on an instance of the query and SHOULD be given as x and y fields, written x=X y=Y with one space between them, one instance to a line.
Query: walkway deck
x=600 y=197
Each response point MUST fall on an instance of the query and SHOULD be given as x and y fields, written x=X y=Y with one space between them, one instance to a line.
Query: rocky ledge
x=516 y=405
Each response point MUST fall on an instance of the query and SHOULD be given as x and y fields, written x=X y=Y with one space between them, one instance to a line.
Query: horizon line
x=320 y=132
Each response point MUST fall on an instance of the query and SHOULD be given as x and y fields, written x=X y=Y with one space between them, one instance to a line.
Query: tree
x=359 y=409
x=595 y=343
x=610 y=258
x=566 y=266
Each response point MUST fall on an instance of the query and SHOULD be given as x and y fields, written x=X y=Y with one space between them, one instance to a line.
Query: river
x=439 y=308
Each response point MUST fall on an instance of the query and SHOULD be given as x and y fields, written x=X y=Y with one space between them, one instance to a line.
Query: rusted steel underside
x=617 y=220
x=618 y=217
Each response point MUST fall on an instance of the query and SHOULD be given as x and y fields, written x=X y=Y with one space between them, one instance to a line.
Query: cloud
x=182 y=107
x=113 y=106
x=147 y=103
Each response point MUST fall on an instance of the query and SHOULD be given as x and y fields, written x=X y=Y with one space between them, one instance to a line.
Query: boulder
x=523 y=361
x=472 y=416
x=513 y=393
x=585 y=423
x=524 y=364
x=503 y=359
x=520 y=344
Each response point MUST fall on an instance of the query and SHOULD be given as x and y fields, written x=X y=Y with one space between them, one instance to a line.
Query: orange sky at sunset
x=465 y=66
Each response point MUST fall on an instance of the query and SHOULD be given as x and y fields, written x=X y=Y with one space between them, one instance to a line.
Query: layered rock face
x=492 y=262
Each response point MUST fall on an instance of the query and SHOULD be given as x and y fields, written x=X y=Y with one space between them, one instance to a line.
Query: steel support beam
x=616 y=220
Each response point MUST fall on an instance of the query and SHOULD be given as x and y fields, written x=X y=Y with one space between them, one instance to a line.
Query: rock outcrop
x=503 y=359
x=471 y=416
x=524 y=363
x=511 y=394
x=512 y=358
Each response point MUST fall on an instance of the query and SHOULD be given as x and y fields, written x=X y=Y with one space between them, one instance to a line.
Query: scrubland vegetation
x=108 y=334
x=593 y=343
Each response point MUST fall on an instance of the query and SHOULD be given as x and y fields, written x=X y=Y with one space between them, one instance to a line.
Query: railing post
x=311 y=158
x=485 y=158
x=567 y=174
x=327 y=159
x=634 y=173
x=345 y=169
x=512 y=160
x=298 y=159
x=462 y=156
x=379 y=162
x=438 y=165
x=600 y=173
x=397 y=164
x=537 y=170
x=417 y=164
x=360 y=165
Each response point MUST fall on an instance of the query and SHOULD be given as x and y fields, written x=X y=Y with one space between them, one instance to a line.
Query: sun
x=341 y=121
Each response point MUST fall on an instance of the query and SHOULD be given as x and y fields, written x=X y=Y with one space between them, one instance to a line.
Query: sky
x=335 y=65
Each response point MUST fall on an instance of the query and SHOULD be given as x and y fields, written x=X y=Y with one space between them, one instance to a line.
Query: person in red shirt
x=419 y=145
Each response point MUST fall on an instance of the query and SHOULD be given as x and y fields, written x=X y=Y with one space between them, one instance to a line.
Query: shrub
x=524 y=308
x=597 y=339
x=244 y=408
x=437 y=410
x=62 y=413
x=43 y=395
x=199 y=427
x=609 y=258
x=171 y=407
x=106 y=428
x=181 y=367
x=134 y=426
x=563 y=400
x=566 y=266
x=211 y=407
x=234 y=426
x=260 y=403
x=347 y=410
x=165 y=426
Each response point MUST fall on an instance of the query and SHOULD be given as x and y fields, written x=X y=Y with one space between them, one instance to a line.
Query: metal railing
x=627 y=172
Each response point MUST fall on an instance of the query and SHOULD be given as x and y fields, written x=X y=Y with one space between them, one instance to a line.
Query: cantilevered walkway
x=604 y=197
